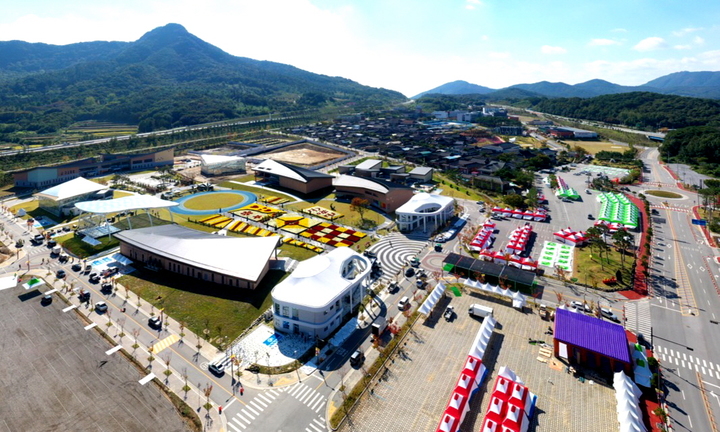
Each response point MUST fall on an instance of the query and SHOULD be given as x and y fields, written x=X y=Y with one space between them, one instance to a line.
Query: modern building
x=368 y=168
x=292 y=177
x=60 y=200
x=591 y=342
x=425 y=211
x=578 y=133
x=382 y=194
x=232 y=261
x=421 y=174
x=212 y=165
x=45 y=176
x=321 y=293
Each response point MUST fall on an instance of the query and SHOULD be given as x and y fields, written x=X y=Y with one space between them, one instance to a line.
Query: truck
x=543 y=312
x=379 y=326
x=56 y=250
x=478 y=310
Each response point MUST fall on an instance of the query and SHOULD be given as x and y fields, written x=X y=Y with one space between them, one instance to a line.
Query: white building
x=425 y=211
x=322 y=291
x=61 y=199
x=221 y=164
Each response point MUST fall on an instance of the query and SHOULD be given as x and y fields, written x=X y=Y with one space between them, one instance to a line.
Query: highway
x=684 y=308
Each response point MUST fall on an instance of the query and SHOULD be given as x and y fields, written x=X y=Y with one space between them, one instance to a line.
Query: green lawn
x=257 y=191
x=225 y=311
x=213 y=201
x=588 y=269
x=663 y=194
x=350 y=217
x=81 y=249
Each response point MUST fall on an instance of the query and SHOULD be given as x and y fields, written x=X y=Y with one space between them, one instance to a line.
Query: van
x=403 y=303
x=379 y=326
x=56 y=250
x=478 y=310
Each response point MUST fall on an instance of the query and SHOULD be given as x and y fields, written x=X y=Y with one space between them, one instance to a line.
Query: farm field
x=593 y=147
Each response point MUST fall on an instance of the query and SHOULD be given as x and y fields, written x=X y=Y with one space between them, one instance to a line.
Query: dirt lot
x=56 y=375
x=417 y=386
x=303 y=155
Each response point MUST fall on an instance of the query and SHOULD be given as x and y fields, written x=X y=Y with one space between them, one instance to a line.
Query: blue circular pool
x=248 y=198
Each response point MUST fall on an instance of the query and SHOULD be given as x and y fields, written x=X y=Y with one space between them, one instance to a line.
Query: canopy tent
x=627 y=395
x=511 y=405
x=617 y=208
x=518 y=299
x=493 y=271
x=482 y=338
x=570 y=237
x=565 y=191
x=432 y=299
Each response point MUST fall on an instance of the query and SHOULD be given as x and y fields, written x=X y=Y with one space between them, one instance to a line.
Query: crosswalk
x=307 y=396
x=394 y=251
x=671 y=357
x=673 y=208
x=637 y=317
x=254 y=409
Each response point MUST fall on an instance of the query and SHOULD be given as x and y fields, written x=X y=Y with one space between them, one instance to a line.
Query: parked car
x=393 y=287
x=590 y=216
x=607 y=313
x=404 y=303
x=84 y=296
x=60 y=274
x=51 y=243
x=155 y=322
x=38 y=239
x=409 y=272
x=370 y=254
x=217 y=369
x=46 y=300
x=106 y=288
x=357 y=358
x=76 y=267
x=101 y=307
x=580 y=306
x=449 y=313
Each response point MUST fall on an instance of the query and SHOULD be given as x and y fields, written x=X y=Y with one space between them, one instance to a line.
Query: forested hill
x=640 y=110
x=167 y=78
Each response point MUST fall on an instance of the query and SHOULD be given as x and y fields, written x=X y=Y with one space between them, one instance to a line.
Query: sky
x=411 y=45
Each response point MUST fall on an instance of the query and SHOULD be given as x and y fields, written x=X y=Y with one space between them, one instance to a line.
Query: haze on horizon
x=412 y=46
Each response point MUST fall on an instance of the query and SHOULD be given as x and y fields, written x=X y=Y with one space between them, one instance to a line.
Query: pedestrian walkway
x=394 y=251
x=637 y=316
x=672 y=208
x=308 y=396
x=253 y=410
x=671 y=358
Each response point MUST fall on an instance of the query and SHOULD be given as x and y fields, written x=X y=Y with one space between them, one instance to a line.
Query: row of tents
x=538 y=215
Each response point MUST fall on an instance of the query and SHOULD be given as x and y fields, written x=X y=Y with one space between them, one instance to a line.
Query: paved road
x=684 y=305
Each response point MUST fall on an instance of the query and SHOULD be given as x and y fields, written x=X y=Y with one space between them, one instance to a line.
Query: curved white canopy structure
x=127 y=203
x=426 y=211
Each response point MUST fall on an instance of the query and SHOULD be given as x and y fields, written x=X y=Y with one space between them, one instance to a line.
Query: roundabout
x=207 y=203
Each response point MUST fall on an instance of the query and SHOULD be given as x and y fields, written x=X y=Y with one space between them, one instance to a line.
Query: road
x=684 y=308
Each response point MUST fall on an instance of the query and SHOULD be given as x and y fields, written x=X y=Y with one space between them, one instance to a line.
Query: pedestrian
x=242 y=390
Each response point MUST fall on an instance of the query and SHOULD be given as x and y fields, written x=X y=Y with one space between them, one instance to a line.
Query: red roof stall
x=511 y=406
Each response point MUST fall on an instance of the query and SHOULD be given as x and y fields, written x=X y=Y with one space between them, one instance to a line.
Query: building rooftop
x=125 y=203
x=290 y=171
x=318 y=281
x=376 y=185
x=72 y=188
x=239 y=257
x=592 y=333
x=421 y=202
x=421 y=170
x=369 y=165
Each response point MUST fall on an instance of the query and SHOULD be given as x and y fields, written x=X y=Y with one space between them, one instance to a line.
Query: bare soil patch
x=303 y=155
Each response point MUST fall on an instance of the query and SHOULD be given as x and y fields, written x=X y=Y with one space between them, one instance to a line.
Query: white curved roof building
x=322 y=291
x=221 y=164
x=425 y=211
x=126 y=203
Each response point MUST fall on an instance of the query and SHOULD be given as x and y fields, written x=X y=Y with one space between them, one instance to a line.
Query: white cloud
x=685 y=31
x=499 y=55
x=682 y=47
x=650 y=44
x=603 y=42
x=471 y=4
x=547 y=49
x=619 y=30
x=698 y=40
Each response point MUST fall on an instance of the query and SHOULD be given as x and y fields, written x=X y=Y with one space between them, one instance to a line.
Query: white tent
x=432 y=299
x=483 y=337
x=628 y=409
x=518 y=299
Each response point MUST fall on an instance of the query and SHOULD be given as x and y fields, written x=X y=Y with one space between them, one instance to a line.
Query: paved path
x=394 y=251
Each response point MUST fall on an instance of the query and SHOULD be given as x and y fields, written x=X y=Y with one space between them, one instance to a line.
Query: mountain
x=455 y=88
x=166 y=78
x=694 y=84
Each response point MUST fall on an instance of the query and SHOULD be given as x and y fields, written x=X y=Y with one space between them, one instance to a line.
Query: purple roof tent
x=593 y=334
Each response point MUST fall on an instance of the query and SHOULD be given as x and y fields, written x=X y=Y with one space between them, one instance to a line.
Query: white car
x=403 y=303
x=580 y=306
x=607 y=313
x=101 y=307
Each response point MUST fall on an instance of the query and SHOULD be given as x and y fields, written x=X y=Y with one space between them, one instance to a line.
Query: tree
x=623 y=241
x=359 y=205
x=514 y=200
x=597 y=242
x=532 y=197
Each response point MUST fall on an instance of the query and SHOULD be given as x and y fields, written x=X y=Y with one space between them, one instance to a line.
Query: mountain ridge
x=705 y=84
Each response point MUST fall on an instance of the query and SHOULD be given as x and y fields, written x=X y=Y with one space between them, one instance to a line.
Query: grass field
x=257 y=191
x=593 y=147
x=663 y=194
x=224 y=311
x=81 y=249
x=588 y=269
x=350 y=218
x=213 y=201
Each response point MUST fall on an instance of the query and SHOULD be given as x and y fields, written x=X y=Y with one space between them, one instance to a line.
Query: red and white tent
x=570 y=237
x=511 y=405
x=507 y=212
x=458 y=406
x=517 y=214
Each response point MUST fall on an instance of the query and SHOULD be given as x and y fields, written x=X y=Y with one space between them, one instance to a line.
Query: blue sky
x=412 y=45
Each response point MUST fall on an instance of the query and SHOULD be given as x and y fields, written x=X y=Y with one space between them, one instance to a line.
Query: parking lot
x=57 y=376
x=414 y=391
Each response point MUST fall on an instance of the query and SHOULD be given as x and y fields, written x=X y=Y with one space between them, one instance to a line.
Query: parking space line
x=89 y=326
x=147 y=378
x=113 y=350
x=54 y=290
x=69 y=308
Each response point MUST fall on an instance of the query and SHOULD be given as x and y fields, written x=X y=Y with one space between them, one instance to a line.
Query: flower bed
x=333 y=235
x=290 y=241
x=275 y=200
x=222 y=223
x=209 y=218
x=323 y=212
